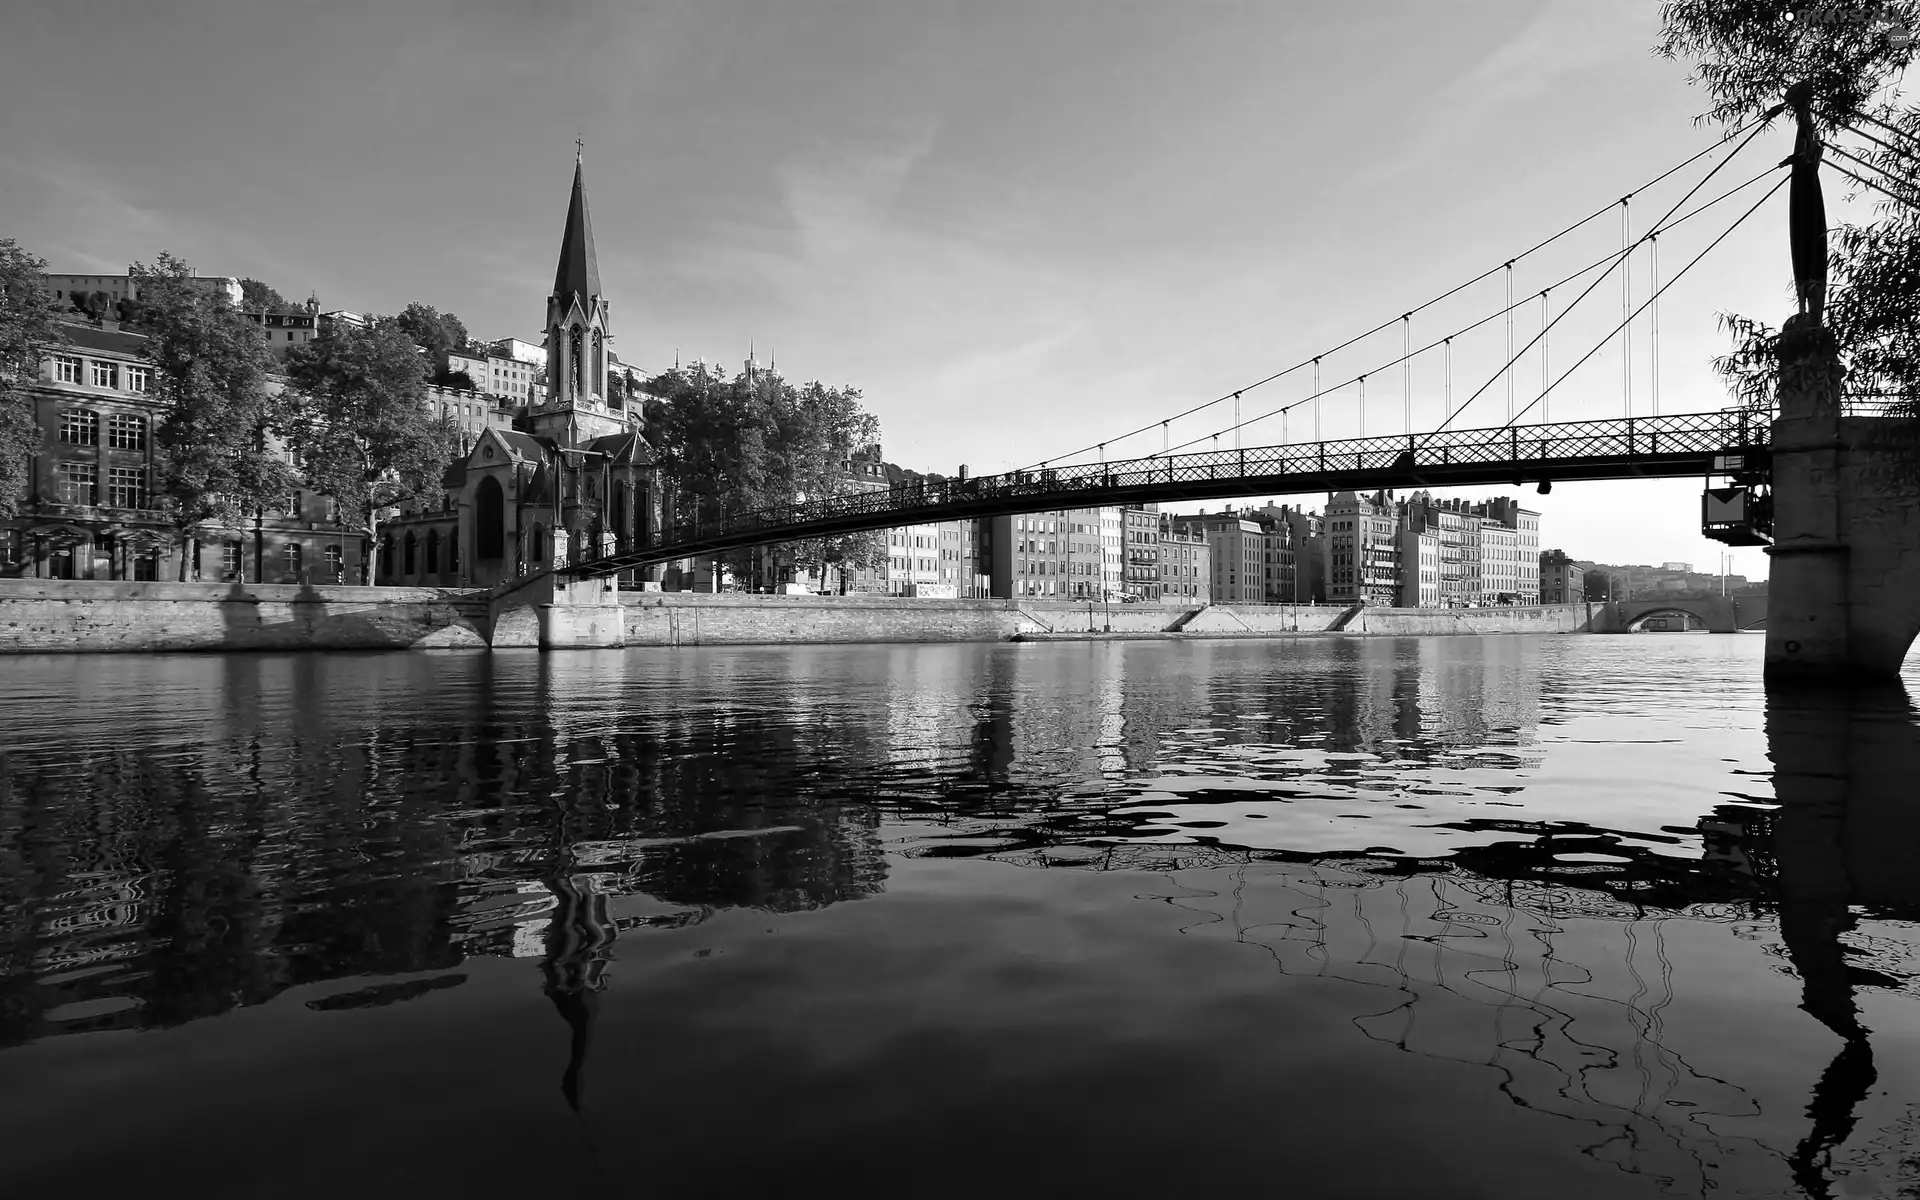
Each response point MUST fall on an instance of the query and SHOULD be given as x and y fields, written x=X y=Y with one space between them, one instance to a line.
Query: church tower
x=577 y=336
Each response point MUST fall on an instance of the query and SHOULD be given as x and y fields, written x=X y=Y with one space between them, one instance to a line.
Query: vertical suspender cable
x=1163 y=437
x=1406 y=369
x=1316 y=398
x=1447 y=400
x=1546 y=370
x=1509 y=340
x=1626 y=300
x=1653 y=319
x=1363 y=406
x=1236 y=420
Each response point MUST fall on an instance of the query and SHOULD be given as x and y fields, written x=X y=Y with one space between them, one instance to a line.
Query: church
x=573 y=479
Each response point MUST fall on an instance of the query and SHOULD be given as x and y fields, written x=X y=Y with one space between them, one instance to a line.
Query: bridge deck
x=1620 y=448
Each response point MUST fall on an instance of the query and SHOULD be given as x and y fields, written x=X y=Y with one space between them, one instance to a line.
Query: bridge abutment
x=1845 y=580
x=552 y=613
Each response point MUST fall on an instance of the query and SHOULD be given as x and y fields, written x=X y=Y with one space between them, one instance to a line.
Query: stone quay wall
x=700 y=619
x=57 y=616
x=54 y=616
x=1424 y=622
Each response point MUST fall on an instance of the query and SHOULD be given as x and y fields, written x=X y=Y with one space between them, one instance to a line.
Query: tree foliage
x=28 y=324
x=1744 y=54
x=216 y=460
x=359 y=423
x=256 y=296
x=433 y=331
x=729 y=445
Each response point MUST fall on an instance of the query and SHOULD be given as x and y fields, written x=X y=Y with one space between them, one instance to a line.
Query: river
x=1503 y=916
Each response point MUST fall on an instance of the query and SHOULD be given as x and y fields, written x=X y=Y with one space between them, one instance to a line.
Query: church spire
x=578 y=274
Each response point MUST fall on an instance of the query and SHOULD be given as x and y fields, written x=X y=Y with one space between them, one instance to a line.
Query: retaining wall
x=40 y=615
x=1421 y=622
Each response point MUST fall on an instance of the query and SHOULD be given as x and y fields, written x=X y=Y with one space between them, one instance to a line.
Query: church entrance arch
x=489 y=521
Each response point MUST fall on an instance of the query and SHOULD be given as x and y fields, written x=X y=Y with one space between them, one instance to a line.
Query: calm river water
x=1504 y=917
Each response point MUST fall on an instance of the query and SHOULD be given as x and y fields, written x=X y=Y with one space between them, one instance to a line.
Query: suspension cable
x=1909 y=151
x=1626 y=305
x=1841 y=116
x=1611 y=260
x=1509 y=339
x=1406 y=370
x=1653 y=323
x=1316 y=398
x=1909 y=200
x=1749 y=126
x=1546 y=368
x=1884 y=172
x=1739 y=221
x=1657 y=226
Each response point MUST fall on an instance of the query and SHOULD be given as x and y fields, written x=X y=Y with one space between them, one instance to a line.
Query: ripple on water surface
x=1445 y=917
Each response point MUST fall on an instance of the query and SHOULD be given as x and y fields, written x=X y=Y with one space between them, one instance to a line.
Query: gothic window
x=489 y=521
x=573 y=357
x=386 y=558
x=433 y=551
x=406 y=557
x=599 y=363
x=453 y=550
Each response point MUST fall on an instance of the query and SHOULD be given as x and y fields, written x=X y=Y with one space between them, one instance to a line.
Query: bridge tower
x=1844 y=593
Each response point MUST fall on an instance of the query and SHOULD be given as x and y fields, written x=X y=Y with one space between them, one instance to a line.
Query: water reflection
x=1564 y=865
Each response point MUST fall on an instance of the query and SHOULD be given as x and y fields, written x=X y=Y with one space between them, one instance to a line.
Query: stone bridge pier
x=1845 y=579
x=554 y=613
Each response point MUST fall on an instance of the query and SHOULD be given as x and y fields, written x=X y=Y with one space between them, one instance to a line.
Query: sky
x=1020 y=228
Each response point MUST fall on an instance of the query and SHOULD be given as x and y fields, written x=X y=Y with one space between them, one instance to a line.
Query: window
x=78 y=427
x=230 y=560
x=336 y=564
x=291 y=552
x=139 y=379
x=10 y=540
x=433 y=550
x=124 y=487
x=100 y=374
x=126 y=432
x=407 y=555
x=146 y=566
x=66 y=369
x=79 y=483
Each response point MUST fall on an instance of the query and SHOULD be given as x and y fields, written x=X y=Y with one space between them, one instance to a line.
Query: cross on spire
x=579 y=149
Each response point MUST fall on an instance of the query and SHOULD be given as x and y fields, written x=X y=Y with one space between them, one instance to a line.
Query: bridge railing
x=1517 y=447
x=1633 y=437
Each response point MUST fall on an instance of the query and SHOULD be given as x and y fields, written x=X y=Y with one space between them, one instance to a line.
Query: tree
x=260 y=297
x=359 y=422
x=735 y=445
x=435 y=332
x=1745 y=53
x=28 y=324
x=1597 y=583
x=458 y=379
x=216 y=459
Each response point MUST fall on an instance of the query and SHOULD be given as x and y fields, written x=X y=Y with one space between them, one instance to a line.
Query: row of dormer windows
x=94 y=372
